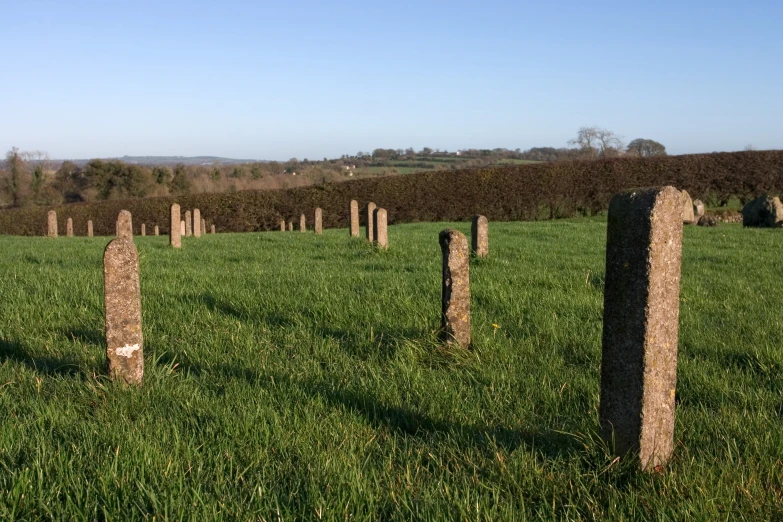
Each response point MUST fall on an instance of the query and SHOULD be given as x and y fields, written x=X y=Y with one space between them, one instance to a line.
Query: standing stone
x=157 y=230
x=197 y=223
x=212 y=229
x=479 y=236
x=69 y=227
x=125 y=225
x=455 y=319
x=122 y=305
x=354 y=218
x=640 y=332
x=204 y=226
x=687 y=208
x=370 y=226
x=302 y=223
x=175 y=236
x=290 y=226
x=51 y=224
x=89 y=228
x=764 y=211
x=698 y=209
x=381 y=236
x=282 y=225
x=182 y=228
x=319 y=221
x=188 y=224
x=143 y=229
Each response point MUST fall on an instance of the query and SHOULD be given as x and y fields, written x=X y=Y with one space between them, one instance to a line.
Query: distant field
x=295 y=377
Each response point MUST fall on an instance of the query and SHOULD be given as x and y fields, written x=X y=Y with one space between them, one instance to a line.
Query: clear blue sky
x=282 y=79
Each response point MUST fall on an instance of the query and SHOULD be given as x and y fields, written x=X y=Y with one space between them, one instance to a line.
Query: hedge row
x=502 y=193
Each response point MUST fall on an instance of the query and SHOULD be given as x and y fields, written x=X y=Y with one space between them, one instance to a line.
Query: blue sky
x=310 y=79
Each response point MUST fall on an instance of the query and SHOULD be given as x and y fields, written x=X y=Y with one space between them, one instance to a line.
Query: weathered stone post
x=381 y=236
x=302 y=223
x=354 y=218
x=290 y=226
x=370 y=226
x=197 y=223
x=182 y=228
x=89 y=228
x=319 y=221
x=282 y=225
x=212 y=229
x=687 y=208
x=69 y=227
x=175 y=236
x=479 y=236
x=188 y=224
x=157 y=230
x=143 y=229
x=641 y=312
x=51 y=224
x=455 y=319
x=204 y=226
x=125 y=225
x=122 y=305
x=698 y=209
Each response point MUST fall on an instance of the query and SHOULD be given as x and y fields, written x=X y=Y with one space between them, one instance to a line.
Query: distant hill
x=173 y=160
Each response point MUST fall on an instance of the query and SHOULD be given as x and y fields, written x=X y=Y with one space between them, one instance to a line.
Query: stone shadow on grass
x=93 y=337
x=17 y=352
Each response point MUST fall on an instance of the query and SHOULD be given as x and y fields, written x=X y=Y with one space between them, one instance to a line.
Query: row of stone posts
x=51 y=225
x=193 y=225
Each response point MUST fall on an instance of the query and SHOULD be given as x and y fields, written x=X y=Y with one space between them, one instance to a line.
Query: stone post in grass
x=212 y=229
x=182 y=228
x=479 y=236
x=69 y=227
x=125 y=225
x=370 y=226
x=197 y=223
x=188 y=224
x=175 y=228
x=381 y=236
x=354 y=218
x=157 y=230
x=122 y=306
x=51 y=224
x=204 y=226
x=319 y=221
x=302 y=223
x=640 y=332
x=290 y=226
x=89 y=228
x=282 y=225
x=455 y=290
x=143 y=229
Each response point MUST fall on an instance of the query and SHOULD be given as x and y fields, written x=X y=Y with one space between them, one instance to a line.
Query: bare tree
x=595 y=141
x=41 y=166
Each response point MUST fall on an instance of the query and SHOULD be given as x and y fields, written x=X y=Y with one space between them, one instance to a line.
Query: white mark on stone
x=127 y=350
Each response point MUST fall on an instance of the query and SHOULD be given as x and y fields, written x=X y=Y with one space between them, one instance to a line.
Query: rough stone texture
x=188 y=224
x=175 y=230
x=479 y=236
x=212 y=229
x=640 y=331
x=157 y=230
x=455 y=296
x=302 y=223
x=290 y=226
x=197 y=223
x=687 y=208
x=69 y=227
x=122 y=305
x=764 y=211
x=698 y=209
x=354 y=218
x=319 y=221
x=89 y=228
x=204 y=226
x=51 y=224
x=381 y=233
x=370 y=226
x=282 y=225
x=125 y=225
x=707 y=221
x=182 y=228
x=143 y=229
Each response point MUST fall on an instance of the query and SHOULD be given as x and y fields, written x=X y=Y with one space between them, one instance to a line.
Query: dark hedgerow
x=501 y=193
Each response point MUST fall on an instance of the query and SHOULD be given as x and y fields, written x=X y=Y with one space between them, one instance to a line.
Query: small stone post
x=212 y=229
x=282 y=225
x=204 y=226
x=640 y=334
x=175 y=238
x=290 y=226
x=455 y=319
x=354 y=218
x=188 y=224
x=157 y=230
x=122 y=305
x=182 y=228
x=302 y=223
x=143 y=229
x=381 y=237
x=479 y=237
x=125 y=225
x=69 y=227
x=51 y=224
x=89 y=228
x=687 y=208
x=197 y=223
x=370 y=227
x=319 y=221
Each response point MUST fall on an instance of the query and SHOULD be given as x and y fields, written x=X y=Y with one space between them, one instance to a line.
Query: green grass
x=290 y=376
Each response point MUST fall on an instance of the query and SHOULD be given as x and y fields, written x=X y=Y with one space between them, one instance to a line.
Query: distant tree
x=255 y=171
x=215 y=174
x=180 y=184
x=161 y=175
x=238 y=172
x=71 y=183
x=15 y=171
x=595 y=141
x=426 y=151
x=643 y=148
x=749 y=147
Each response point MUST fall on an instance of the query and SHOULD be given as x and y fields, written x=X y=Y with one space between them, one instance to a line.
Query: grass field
x=295 y=377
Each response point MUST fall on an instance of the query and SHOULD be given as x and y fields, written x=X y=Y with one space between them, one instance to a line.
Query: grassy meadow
x=296 y=377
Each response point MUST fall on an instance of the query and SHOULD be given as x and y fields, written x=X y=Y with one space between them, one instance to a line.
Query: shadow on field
x=216 y=306
x=13 y=351
x=94 y=337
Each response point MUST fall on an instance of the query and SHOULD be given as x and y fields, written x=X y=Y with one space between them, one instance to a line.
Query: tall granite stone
x=188 y=224
x=157 y=230
x=211 y=229
x=197 y=223
x=282 y=225
x=319 y=221
x=354 y=218
x=182 y=228
x=290 y=226
x=51 y=224
x=764 y=211
x=479 y=236
x=69 y=227
x=122 y=305
x=125 y=225
x=640 y=331
x=302 y=223
x=370 y=225
x=687 y=208
x=175 y=236
x=381 y=233
x=143 y=229
x=89 y=228
x=204 y=226
x=455 y=295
